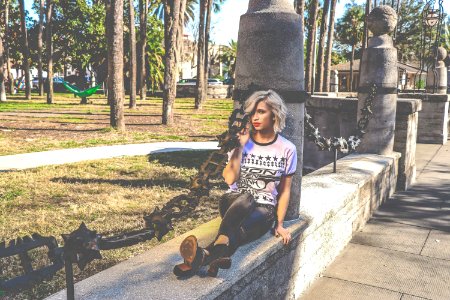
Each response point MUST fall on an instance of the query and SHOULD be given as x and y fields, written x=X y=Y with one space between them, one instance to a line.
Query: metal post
x=69 y=279
x=335 y=160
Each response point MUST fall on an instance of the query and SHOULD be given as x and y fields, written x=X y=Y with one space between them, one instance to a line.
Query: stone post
x=437 y=76
x=379 y=66
x=334 y=81
x=270 y=56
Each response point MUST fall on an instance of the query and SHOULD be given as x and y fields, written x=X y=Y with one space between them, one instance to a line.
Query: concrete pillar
x=379 y=66
x=334 y=80
x=437 y=76
x=270 y=56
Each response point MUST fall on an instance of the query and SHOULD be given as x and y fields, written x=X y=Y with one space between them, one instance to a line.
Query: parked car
x=229 y=81
x=193 y=81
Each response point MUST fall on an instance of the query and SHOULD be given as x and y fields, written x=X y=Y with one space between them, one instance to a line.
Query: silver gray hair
x=275 y=103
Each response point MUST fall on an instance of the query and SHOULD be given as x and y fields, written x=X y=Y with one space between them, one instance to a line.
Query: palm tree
x=49 y=46
x=6 y=46
x=2 y=81
x=41 y=27
x=171 y=26
x=300 y=9
x=327 y=68
x=25 y=51
x=132 y=56
x=143 y=13
x=115 y=63
x=202 y=86
x=228 y=57
x=310 y=43
x=350 y=31
x=322 y=34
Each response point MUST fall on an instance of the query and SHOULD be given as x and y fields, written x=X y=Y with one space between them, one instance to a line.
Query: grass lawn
x=33 y=125
x=110 y=196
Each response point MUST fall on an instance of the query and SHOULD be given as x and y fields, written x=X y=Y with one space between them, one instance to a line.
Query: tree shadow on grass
x=181 y=159
x=132 y=183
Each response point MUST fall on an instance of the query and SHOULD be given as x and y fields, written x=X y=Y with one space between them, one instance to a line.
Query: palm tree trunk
x=6 y=46
x=171 y=23
x=300 y=8
x=351 y=68
x=41 y=26
x=320 y=56
x=143 y=13
x=207 y=33
x=327 y=71
x=312 y=26
x=49 y=47
x=2 y=79
x=180 y=33
x=200 y=97
x=25 y=51
x=132 y=56
x=115 y=64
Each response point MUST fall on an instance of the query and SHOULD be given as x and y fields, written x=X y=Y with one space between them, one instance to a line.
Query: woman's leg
x=240 y=208
x=255 y=225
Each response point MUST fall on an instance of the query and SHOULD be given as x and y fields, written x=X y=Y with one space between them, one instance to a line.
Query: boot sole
x=188 y=249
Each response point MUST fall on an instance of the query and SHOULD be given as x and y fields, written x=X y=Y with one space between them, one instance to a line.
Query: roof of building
x=342 y=67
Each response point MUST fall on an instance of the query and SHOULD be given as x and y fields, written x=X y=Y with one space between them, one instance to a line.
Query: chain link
x=341 y=144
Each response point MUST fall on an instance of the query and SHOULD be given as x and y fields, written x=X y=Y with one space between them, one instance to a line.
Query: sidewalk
x=403 y=252
x=58 y=157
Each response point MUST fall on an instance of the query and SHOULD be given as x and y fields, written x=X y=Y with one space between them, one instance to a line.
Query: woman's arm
x=283 y=202
x=231 y=172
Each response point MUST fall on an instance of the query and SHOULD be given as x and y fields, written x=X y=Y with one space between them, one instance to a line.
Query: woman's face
x=263 y=118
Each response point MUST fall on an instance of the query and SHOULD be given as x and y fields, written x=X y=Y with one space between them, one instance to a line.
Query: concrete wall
x=337 y=117
x=333 y=207
x=433 y=119
x=214 y=91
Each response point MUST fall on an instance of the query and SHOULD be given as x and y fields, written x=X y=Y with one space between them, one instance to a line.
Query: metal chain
x=83 y=245
x=339 y=143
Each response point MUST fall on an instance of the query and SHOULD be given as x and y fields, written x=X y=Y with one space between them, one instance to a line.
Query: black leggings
x=243 y=219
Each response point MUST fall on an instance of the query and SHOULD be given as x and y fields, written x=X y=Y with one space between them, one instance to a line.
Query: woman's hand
x=284 y=233
x=244 y=135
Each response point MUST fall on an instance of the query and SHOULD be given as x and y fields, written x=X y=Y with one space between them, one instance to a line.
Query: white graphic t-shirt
x=262 y=166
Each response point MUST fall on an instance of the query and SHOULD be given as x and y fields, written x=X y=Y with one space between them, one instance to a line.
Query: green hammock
x=81 y=93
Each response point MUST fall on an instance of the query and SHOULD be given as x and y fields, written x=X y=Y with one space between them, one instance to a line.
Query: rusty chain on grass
x=83 y=245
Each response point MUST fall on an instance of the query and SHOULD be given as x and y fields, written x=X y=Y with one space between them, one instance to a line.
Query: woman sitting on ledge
x=259 y=173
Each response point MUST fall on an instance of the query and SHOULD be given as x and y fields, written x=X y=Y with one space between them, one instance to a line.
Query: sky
x=225 y=24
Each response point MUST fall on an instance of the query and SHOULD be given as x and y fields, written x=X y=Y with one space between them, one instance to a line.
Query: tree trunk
x=171 y=23
x=180 y=38
x=351 y=68
x=41 y=26
x=49 y=46
x=207 y=33
x=143 y=13
x=132 y=57
x=115 y=64
x=25 y=51
x=6 y=46
x=2 y=79
x=312 y=24
x=200 y=97
x=82 y=80
x=300 y=8
x=327 y=71
x=320 y=55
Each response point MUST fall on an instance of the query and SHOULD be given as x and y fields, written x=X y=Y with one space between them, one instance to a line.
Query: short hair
x=275 y=103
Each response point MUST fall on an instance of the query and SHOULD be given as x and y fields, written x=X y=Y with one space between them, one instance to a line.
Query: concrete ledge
x=333 y=206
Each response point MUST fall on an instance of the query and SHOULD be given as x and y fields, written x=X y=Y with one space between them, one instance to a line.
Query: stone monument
x=334 y=81
x=437 y=76
x=270 y=56
x=379 y=67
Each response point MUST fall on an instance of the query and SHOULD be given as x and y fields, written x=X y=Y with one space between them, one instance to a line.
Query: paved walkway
x=404 y=250
x=58 y=157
